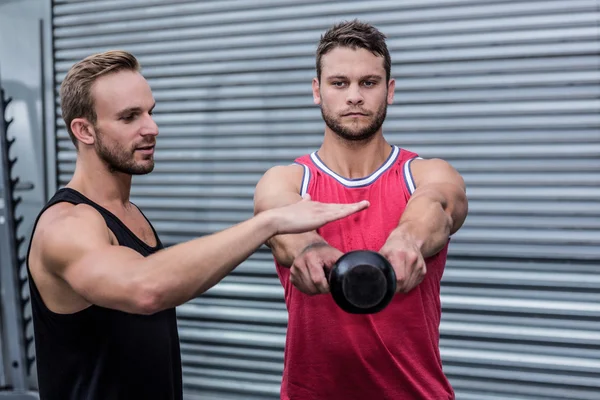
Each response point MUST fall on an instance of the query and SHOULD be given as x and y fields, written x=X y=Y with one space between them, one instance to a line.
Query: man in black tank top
x=103 y=289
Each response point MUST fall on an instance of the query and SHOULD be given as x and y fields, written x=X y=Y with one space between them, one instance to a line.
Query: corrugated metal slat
x=507 y=91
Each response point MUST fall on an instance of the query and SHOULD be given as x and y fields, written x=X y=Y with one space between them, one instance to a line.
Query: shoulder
x=287 y=175
x=65 y=216
x=286 y=171
x=279 y=186
x=430 y=165
x=65 y=230
x=434 y=170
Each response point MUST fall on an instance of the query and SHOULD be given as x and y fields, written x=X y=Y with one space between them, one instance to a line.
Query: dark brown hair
x=354 y=34
x=76 y=98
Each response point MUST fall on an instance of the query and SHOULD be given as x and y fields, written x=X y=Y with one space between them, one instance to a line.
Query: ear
x=83 y=131
x=391 y=90
x=316 y=91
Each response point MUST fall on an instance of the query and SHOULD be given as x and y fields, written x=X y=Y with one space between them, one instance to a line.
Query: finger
x=304 y=285
x=293 y=279
x=303 y=280
x=395 y=266
x=418 y=281
x=400 y=268
x=419 y=272
x=318 y=278
x=422 y=272
x=315 y=267
x=361 y=205
x=341 y=211
x=330 y=259
x=413 y=271
x=411 y=283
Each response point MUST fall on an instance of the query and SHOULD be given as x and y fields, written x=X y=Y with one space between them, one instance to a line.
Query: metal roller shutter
x=507 y=91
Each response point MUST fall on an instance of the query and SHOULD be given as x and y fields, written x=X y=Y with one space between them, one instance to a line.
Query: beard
x=119 y=159
x=355 y=134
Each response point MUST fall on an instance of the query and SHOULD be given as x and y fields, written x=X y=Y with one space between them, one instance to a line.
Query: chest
x=367 y=229
x=137 y=224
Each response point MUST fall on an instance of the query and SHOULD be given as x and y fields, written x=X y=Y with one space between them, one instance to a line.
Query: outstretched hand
x=307 y=215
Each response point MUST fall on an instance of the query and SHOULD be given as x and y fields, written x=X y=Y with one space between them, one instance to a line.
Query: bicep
x=79 y=251
x=439 y=181
x=279 y=186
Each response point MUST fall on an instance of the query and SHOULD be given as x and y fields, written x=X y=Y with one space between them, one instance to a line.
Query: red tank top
x=394 y=354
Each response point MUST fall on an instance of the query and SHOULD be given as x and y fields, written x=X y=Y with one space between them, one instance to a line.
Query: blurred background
x=507 y=91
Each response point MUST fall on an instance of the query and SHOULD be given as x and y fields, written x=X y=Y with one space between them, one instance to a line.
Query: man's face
x=353 y=93
x=125 y=130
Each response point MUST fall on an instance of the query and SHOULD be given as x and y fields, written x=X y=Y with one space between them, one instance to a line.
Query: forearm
x=118 y=277
x=286 y=248
x=431 y=216
x=186 y=270
x=427 y=224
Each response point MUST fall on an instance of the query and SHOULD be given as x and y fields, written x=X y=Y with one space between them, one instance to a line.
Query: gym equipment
x=362 y=282
x=13 y=357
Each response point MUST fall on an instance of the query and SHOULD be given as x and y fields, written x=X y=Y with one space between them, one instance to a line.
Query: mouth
x=146 y=149
x=354 y=115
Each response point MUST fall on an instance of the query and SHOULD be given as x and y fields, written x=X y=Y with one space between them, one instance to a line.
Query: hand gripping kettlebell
x=362 y=282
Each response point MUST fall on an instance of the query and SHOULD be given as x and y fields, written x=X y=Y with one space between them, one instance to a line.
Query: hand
x=403 y=252
x=307 y=215
x=308 y=272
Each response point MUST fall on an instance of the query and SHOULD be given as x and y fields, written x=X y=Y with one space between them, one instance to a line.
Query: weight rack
x=14 y=362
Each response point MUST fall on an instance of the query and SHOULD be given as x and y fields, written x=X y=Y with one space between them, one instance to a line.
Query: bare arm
x=278 y=187
x=437 y=208
x=77 y=249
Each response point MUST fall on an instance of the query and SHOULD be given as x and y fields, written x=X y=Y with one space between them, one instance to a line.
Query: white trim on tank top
x=408 y=178
x=360 y=181
x=305 y=180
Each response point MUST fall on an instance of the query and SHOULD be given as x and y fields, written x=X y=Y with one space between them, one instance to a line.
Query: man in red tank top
x=415 y=206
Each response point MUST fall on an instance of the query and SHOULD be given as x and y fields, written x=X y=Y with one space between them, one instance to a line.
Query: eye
x=338 y=84
x=369 y=83
x=128 y=117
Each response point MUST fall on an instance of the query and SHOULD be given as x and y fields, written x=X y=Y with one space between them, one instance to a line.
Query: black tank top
x=100 y=353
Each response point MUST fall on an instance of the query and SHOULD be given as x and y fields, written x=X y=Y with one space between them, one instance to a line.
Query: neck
x=354 y=159
x=94 y=179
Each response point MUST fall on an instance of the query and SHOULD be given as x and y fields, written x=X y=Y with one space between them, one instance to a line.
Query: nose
x=354 y=96
x=150 y=127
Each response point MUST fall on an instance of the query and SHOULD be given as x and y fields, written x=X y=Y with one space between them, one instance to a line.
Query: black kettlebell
x=362 y=282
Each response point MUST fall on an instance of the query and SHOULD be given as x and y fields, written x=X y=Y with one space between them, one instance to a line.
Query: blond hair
x=76 y=98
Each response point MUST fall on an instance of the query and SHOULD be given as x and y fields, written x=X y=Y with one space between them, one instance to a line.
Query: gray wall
x=507 y=91
x=24 y=52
